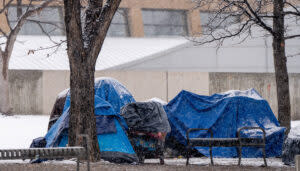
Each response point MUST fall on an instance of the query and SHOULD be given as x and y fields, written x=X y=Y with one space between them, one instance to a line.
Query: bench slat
x=63 y=152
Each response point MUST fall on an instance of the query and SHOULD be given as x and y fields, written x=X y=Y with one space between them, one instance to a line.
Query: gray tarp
x=146 y=117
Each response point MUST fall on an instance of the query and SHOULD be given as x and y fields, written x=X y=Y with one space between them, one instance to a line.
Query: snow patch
x=295 y=130
x=18 y=131
x=156 y=99
x=252 y=93
x=63 y=93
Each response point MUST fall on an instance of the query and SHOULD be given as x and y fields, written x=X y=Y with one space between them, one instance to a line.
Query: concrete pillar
x=194 y=25
x=196 y=82
x=3 y=24
x=297 y=162
x=135 y=20
x=53 y=82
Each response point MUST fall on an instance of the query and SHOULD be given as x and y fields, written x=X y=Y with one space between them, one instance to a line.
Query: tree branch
x=43 y=30
x=291 y=37
x=221 y=37
x=14 y=32
x=293 y=6
x=5 y=5
x=101 y=26
x=258 y=19
x=7 y=20
x=3 y=33
x=291 y=13
x=92 y=20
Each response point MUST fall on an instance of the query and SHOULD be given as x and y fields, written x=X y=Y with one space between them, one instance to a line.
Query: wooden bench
x=238 y=142
x=47 y=153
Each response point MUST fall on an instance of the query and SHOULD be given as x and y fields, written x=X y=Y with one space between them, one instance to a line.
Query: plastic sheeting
x=291 y=148
x=114 y=145
x=224 y=114
x=146 y=117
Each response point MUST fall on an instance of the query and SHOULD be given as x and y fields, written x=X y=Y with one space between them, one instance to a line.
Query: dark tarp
x=110 y=96
x=291 y=148
x=224 y=114
x=146 y=117
x=58 y=107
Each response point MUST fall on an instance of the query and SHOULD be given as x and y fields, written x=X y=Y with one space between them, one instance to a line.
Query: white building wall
x=254 y=55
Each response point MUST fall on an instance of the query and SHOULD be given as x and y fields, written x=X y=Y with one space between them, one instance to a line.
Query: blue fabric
x=105 y=125
x=224 y=114
x=113 y=142
x=110 y=96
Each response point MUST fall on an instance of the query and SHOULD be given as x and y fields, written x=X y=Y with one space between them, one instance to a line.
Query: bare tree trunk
x=82 y=118
x=84 y=46
x=4 y=87
x=281 y=73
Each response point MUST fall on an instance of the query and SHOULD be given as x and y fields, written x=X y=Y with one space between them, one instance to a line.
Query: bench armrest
x=253 y=128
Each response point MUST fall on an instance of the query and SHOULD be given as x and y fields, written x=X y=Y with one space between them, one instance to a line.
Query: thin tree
x=232 y=18
x=84 y=42
x=8 y=39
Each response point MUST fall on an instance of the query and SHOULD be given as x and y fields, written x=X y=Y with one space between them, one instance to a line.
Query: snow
x=115 y=52
x=156 y=99
x=295 y=130
x=273 y=162
x=63 y=93
x=18 y=131
x=251 y=93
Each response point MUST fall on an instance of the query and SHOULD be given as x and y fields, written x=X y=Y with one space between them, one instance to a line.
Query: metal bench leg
x=77 y=164
x=211 y=156
x=264 y=155
x=188 y=155
x=240 y=154
x=88 y=165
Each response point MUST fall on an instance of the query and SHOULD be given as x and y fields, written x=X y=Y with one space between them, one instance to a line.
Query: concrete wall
x=34 y=92
x=26 y=91
x=264 y=83
x=53 y=83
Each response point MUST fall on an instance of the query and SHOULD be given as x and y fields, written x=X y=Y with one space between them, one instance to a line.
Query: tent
x=224 y=114
x=114 y=145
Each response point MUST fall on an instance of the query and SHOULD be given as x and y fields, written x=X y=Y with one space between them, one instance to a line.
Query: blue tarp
x=224 y=114
x=110 y=96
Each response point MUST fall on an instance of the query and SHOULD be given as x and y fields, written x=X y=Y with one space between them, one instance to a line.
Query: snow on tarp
x=224 y=114
x=114 y=145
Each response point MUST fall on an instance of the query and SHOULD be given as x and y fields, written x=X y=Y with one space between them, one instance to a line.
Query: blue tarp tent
x=114 y=145
x=224 y=114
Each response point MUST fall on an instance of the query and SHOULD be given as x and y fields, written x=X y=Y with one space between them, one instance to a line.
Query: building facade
x=135 y=18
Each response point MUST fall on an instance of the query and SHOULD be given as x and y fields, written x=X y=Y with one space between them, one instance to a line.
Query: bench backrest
x=49 y=153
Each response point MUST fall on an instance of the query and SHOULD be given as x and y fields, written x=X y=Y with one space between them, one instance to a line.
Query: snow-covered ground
x=295 y=130
x=18 y=132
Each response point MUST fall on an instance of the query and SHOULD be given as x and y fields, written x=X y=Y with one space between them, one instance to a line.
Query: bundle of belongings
x=114 y=144
x=224 y=114
x=148 y=126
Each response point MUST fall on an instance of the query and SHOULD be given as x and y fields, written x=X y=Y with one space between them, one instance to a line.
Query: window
x=119 y=25
x=216 y=22
x=48 y=20
x=164 y=23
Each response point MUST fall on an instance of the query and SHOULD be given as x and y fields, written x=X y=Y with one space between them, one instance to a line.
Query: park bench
x=238 y=142
x=47 y=153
